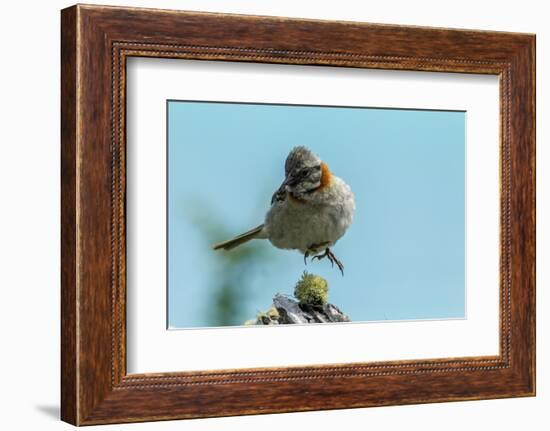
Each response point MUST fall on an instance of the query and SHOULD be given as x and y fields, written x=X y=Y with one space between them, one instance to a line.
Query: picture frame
x=96 y=42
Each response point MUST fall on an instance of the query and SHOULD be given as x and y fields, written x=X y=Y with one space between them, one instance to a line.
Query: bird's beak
x=289 y=181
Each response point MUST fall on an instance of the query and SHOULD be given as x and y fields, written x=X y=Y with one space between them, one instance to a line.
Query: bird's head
x=304 y=172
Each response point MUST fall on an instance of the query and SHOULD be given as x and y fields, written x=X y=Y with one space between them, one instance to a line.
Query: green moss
x=270 y=316
x=272 y=313
x=311 y=290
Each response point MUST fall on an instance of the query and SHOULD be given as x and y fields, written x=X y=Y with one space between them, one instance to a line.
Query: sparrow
x=310 y=211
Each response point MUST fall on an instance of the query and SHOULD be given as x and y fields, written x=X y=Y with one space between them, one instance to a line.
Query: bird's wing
x=279 y=195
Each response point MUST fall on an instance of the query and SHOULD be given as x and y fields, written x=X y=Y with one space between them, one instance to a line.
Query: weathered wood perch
x=310 y=306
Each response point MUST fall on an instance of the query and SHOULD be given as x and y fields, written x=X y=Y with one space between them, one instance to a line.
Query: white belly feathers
x=321 y=220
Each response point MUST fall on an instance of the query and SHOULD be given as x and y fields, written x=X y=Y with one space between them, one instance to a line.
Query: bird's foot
x=332 y=258
x=314 y=249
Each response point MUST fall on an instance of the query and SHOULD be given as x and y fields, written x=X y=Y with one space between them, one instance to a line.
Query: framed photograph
x=331 y=214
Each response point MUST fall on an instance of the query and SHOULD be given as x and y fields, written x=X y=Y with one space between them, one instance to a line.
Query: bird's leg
x=332 y=258
x=322 y=256
x=306 y=255
x=314 y=249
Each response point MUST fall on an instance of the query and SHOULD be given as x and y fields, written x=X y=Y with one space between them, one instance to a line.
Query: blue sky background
x=404 y=254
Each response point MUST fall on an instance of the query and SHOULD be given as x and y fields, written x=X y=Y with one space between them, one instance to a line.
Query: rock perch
x=310 y=305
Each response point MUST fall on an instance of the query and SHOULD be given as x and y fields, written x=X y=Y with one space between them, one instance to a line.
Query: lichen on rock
x=311 y=289
x=270 y=317
x=310 y=306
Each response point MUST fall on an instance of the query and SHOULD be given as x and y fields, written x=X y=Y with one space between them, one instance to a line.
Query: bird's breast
x=322 y=218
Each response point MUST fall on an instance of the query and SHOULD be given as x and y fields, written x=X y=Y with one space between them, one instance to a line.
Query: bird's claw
x=332 y=258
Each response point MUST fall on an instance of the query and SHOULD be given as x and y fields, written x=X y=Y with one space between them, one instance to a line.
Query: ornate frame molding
x=96 y=41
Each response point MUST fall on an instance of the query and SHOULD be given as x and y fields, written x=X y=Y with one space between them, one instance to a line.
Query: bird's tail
x=240 y=239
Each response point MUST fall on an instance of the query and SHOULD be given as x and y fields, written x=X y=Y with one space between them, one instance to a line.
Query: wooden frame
x=95 y=42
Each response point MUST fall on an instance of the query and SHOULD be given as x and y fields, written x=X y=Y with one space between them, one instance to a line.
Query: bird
x=310 y=211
